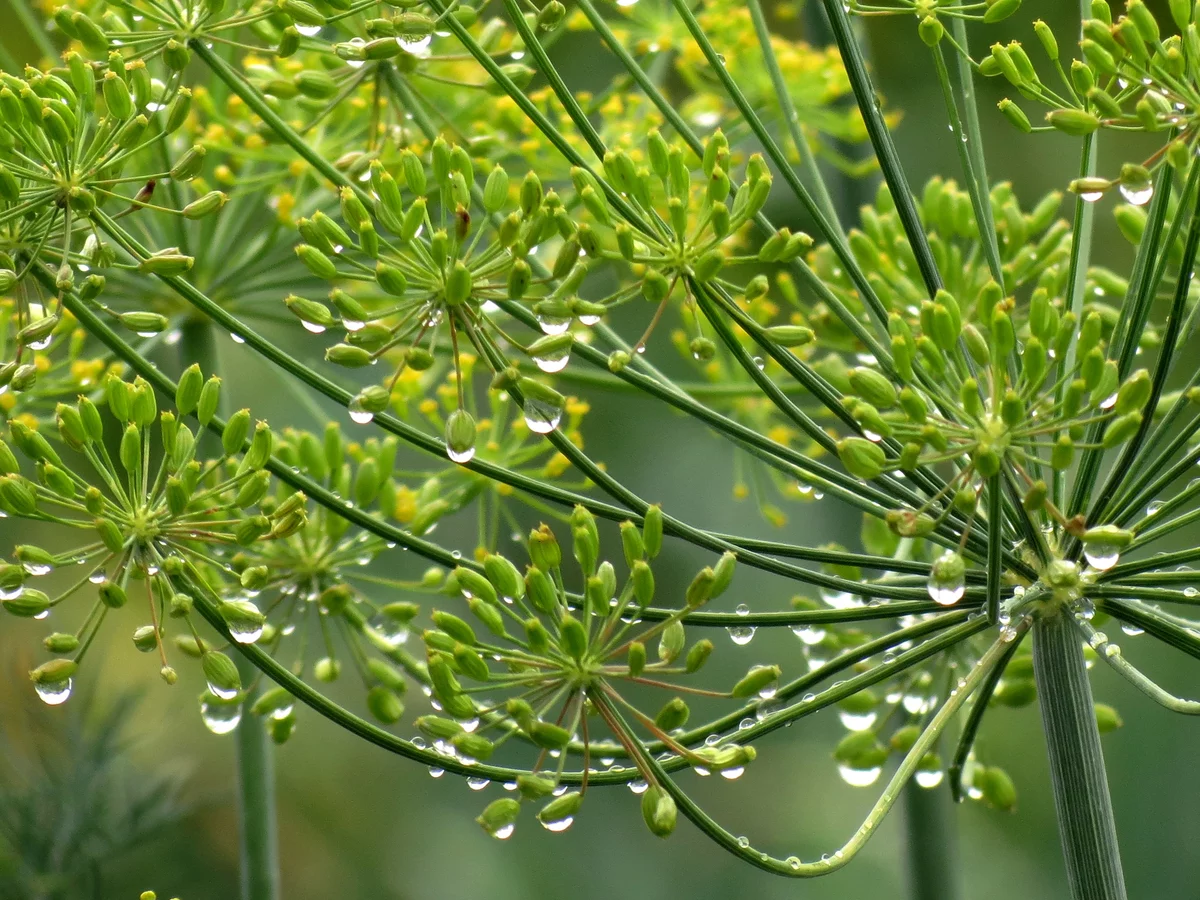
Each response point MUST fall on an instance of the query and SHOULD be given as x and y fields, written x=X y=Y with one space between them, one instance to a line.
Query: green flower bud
x=221 y=673
x=673 y=715
x=672 y=641
x=29 y=604
x=698 y=655
x=504 y=576
x=61 y=643
x=206 y=205
x=1121 y=429
x=659 y=811
x=544 y=551
x=167 y=263
x=636 y=658
x=473 y=584
x=56 y=671
x=862 y=458
x=1107 y=718
x=112 y=594
x=547 y=735
x=997 y=788
x=931 y=30
x=499 y=816
x=755 y=681
x=1076 y=122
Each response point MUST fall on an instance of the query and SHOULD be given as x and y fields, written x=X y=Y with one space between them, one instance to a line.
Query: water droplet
x=361 y=416
x=857 y=721
x=860 y=777
x=477 y=784
x=308 y=30
x=1131 y=630
x=742 y=634
x=947 y=580
x=541 y=417
x=220 y=718
x=1101 y=556
x=504 y=832
x=37 y=569
x=559 y=826
x=553 y=324
x=237 y=338
x=743 y=842
x=354 y=324
x=464 y=457
x=222 y=693
x=1151 y=509
x=929 y=778
x=638 y=786
x=733 y=774
x=54 y=693
x=811 y=635
x=1138 y=195
x=555 y=361
x=435 y=772
x=1091 y=196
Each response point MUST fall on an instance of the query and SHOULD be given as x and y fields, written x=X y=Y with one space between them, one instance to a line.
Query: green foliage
x=1008 y=415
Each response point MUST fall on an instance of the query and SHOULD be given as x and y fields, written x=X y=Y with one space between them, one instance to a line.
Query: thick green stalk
x=256 y=798
x=931 y=844
x=259 y=842
x=1085 y=817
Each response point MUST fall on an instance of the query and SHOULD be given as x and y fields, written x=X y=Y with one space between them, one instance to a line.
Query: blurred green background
x=356 y=822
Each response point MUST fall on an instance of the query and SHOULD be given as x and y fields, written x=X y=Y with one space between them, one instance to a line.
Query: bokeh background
x=359 y=824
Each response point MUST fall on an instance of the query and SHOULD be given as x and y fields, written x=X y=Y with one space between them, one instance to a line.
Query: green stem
x=1085 y=817
x=256 y=798
x=931 y=844
x=255 y=764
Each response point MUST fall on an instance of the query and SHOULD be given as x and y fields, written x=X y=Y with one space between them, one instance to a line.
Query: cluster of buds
x=671 y=229
x=1131 y=77
x=561 y=660
x=422 y=276
x=160 y=528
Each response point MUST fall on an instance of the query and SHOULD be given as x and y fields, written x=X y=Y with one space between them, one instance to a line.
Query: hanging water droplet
x=741 y=634
x=361 y=416
x=1091 y=196
x=857 y=721
x=1138 y=194
x=638 y=786
x=219 y=717
x=477 y=784
x=733 y=774
x=947 y=579
x=929 y=778
x=859 y=777
x=810 y=635
x=559 y=825
x=553 y=324
x=554 y=360
x=53 y=693
x=541 y=417
x=435 y=772
x=308 y=30
x=1101 y=556
x=1131 y=630
x=461 y=457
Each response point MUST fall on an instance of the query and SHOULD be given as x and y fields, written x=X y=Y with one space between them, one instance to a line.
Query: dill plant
x=415 y=194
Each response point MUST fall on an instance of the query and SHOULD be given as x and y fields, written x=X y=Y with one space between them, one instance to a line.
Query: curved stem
x=1085 y=817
